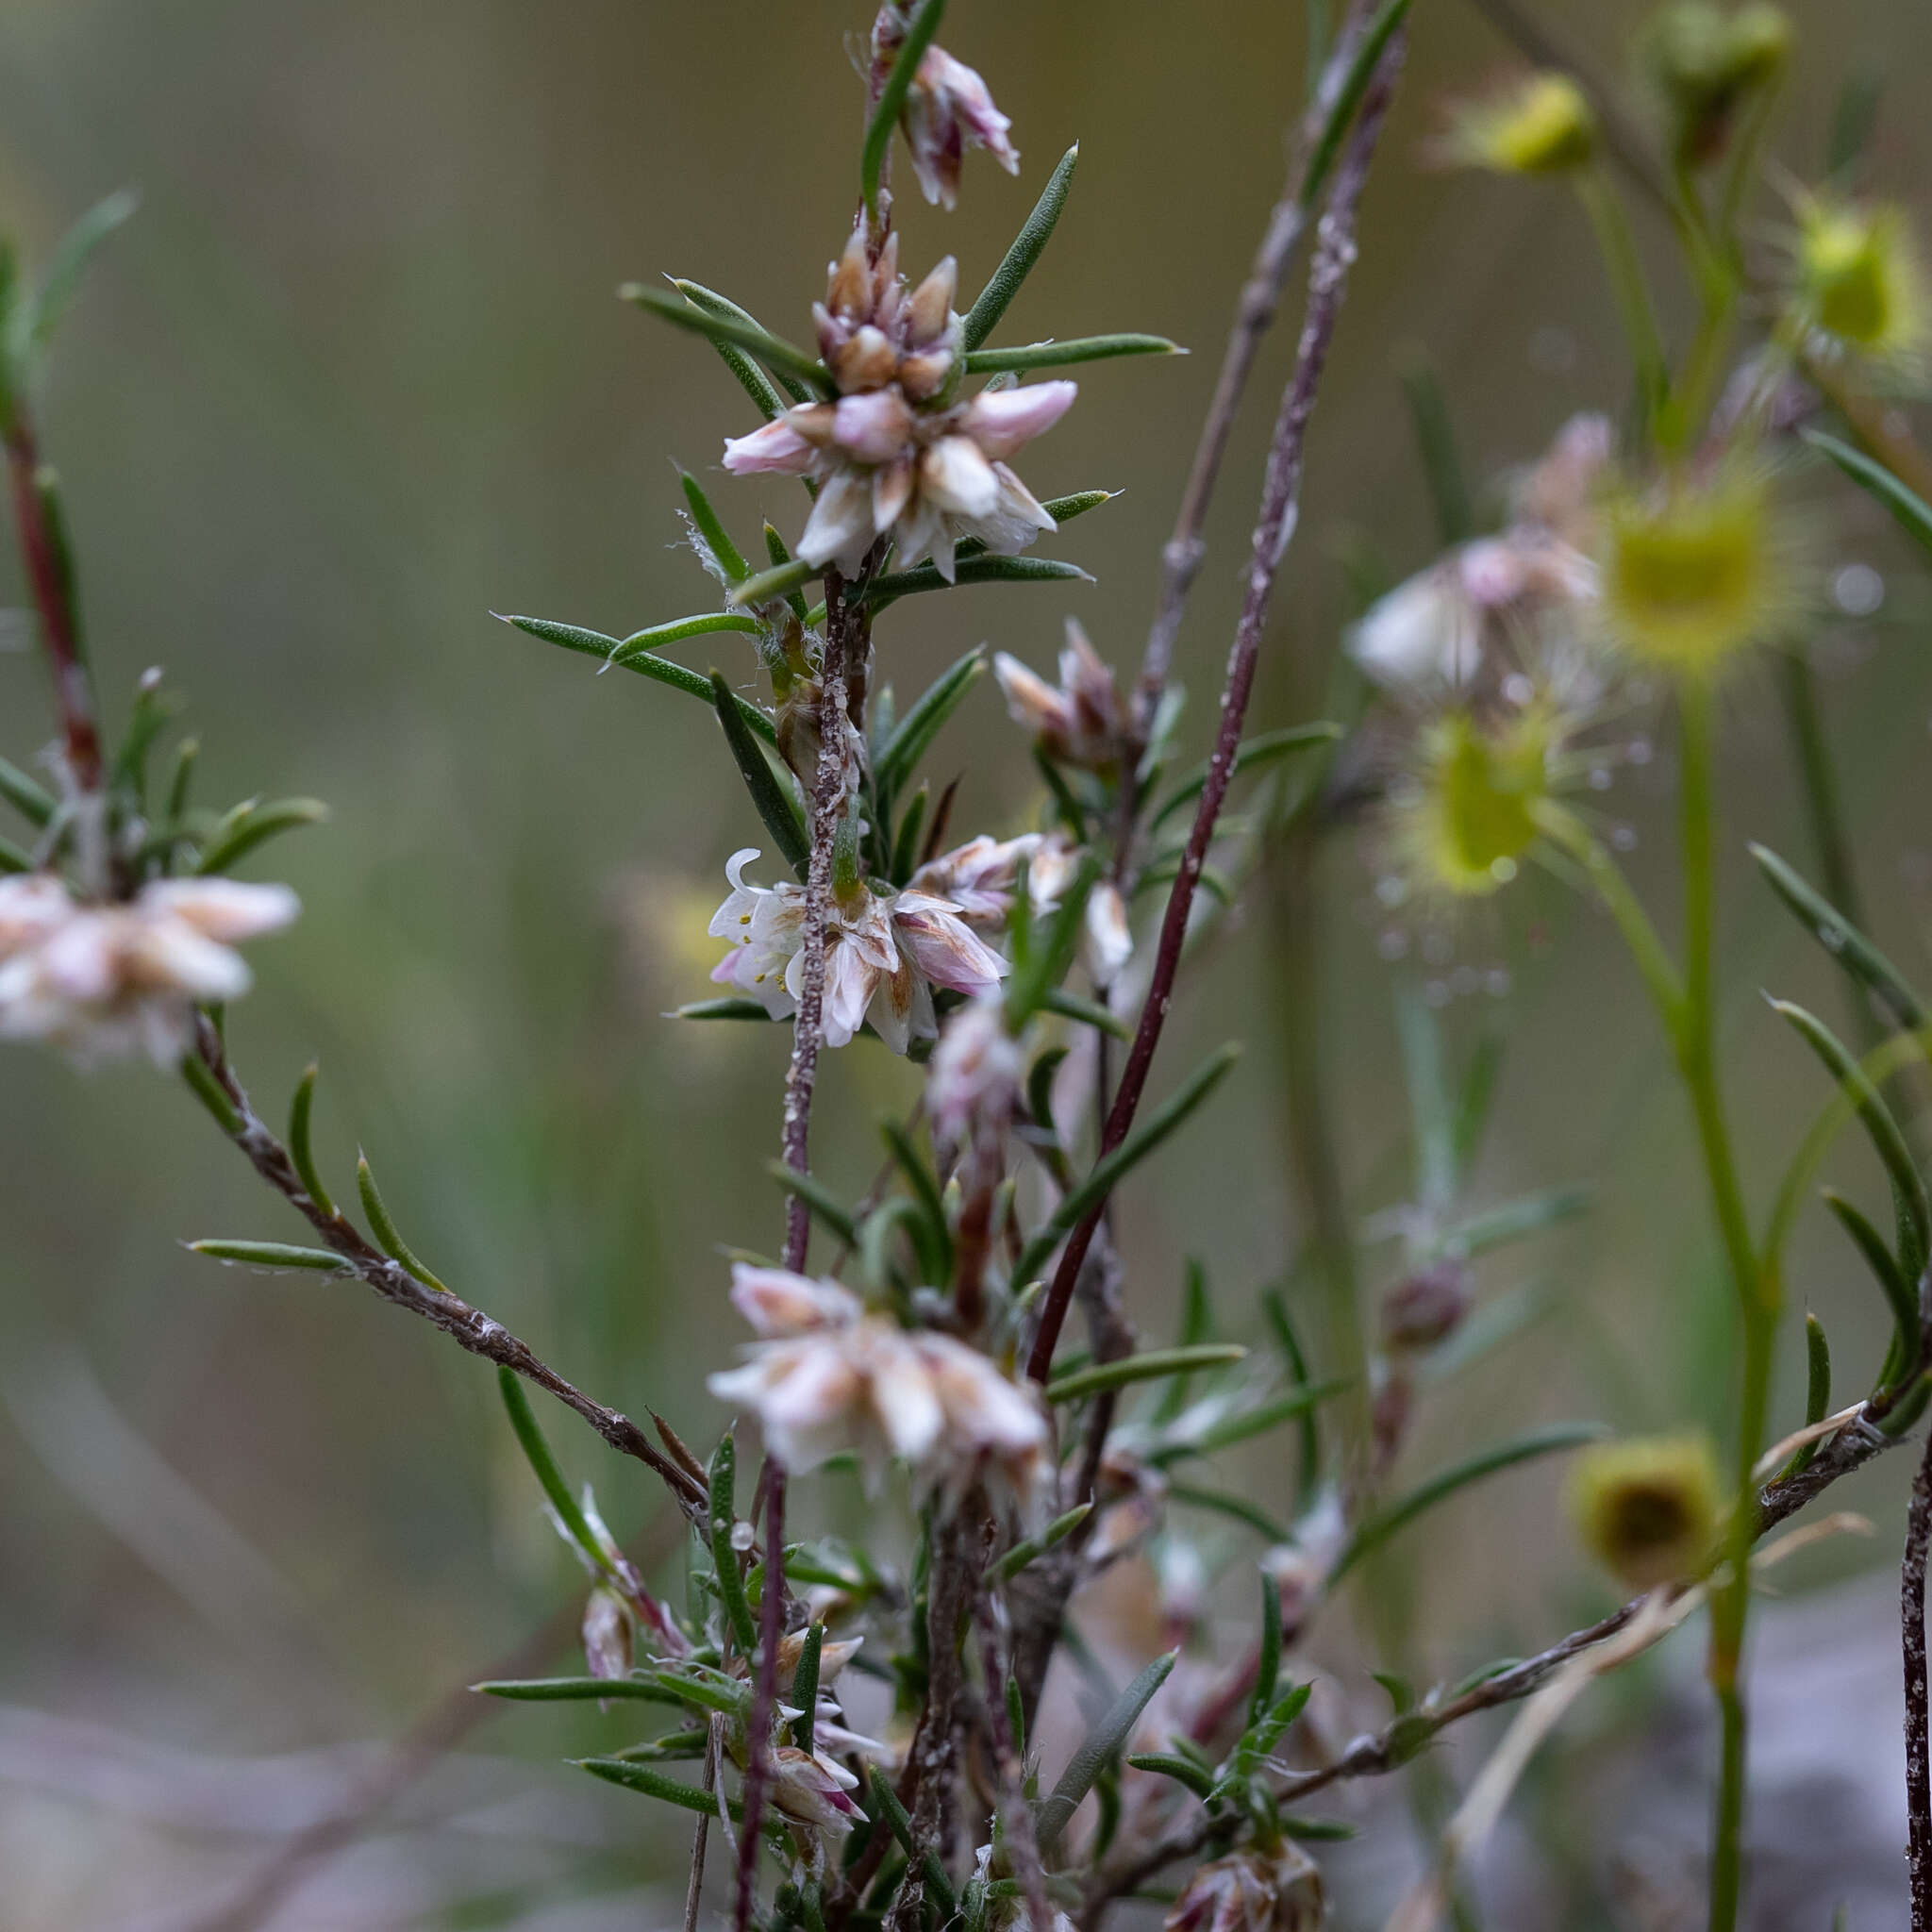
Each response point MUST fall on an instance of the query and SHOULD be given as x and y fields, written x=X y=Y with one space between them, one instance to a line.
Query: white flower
x=979 y=877
x=884 y=954
x=948 y=109
x=814 y=1790
x=856 y=1381
x=898 y=454
x=1079 y=721
x=103 y=980
x=973 y=1080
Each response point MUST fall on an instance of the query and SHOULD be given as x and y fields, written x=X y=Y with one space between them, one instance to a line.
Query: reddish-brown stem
x=1912 y=1627
x=764 y=1695
x=1328 y=278
x=53 y=599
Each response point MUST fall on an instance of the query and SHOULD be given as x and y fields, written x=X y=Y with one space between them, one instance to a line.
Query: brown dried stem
x=1328 y=278
x=1912 y=1628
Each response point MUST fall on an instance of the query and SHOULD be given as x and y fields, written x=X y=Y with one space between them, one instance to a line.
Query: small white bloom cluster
x=826 y=1376
x=104 y=980
x=897 y=455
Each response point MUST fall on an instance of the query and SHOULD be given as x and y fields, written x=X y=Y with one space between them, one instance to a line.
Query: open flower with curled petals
x=827 y=1376
x=107 y=980
x=884 y=954
x=948 y=109
x=1079 y=721
x=897 y=454
x=979 y=877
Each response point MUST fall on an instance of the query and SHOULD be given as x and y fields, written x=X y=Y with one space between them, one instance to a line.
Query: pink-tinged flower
x=884 y=954
x=607 y=1635
x=979 y=877
x=898 y=454
x=778 y=1302
x=1079 y=721
x=103 y=980
x=859 y=1382
x=813 y=1789
x=1253 y=1891
x=949 y=109
x=973 y=1080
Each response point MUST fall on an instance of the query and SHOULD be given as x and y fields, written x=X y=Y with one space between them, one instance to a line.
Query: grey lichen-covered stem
x=1912 y=1628
x=1280 y=497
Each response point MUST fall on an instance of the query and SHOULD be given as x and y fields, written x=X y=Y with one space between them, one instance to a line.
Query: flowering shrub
x=922 y=1333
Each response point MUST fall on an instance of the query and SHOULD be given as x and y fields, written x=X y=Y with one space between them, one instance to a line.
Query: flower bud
x=607 y=1635
x=1277 y=1889
x=1426 y=1307
x=1648 y=1508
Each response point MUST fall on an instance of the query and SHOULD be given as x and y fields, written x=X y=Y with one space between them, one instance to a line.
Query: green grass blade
x=1846 y=945
x=775 y=352
x=544 y=1466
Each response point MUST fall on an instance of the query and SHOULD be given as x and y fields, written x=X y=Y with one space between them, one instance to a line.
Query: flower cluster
x=826 y=1376
x=104 y=980
x=898 y=456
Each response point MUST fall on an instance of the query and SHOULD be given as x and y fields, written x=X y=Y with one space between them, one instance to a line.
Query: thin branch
x=757 y=1777
x=468 y=1327
x=1254 y=312
x=1328 y=278
x=48 y=573
x=694 y=1885
x=1912 y=1630
x=1387 y=1750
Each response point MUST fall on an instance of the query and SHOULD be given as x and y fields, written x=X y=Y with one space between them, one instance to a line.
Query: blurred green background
x=355 y=378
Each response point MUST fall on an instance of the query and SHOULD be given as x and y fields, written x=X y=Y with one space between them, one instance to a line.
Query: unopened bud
x=1426 y=1307
x=607 y=1635
x=1705 y=61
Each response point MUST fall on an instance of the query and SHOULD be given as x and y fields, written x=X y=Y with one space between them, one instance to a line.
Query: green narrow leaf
x=720 y=1010
x=29 y=798
x=711 y=528
x=805 y=1686
x=992 y=301
x=775 y=352
x=1250 y=1423
x=1101 y=1746
x=1882 y=1130
x=1039 y=1098
x=1908 y=510
x=937 y=1242
x=723 y=1516
x=272 y=1255
x=61 y=281
x=1099 y=1182
x=1375 y=1530
x=891 y=100
x=1071 y=1005
x=261 y=823
x=1183 y=1770
x=1267 y=1668
x=544 y=1466
x=1514 y=1221
x=1062 y=509
x=1854 y=120
x=881 y=592
x=914 y=734
x=300 y=1151
x=1004 y=1569
x=771 y=396
x=386 y=1237
x=13 y=858
x=207 y=1089
x=634 y=1776
x=906 y=840
x=1477 y=1091
x=1041 y=956
x=1433 y=1121
x=1435 y=440
x=1237 y=1508
x=887 y=1799
x=774 y=805
x=635 y=654
x=1899 y=1295
x=781 y=580
x=777 y=551
x=816 y=1196
x=1260 y=750
x=1361 y=70
x=1281 y=1326
x=1074 y=349
x=1846 y=945
x=576 y=1690
x=1147 y=1367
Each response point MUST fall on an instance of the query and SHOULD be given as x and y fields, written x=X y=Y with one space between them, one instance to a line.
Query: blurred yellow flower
x=1469 y=815
x=1858 y=281
x=1648 y=1508
x=1542 y=124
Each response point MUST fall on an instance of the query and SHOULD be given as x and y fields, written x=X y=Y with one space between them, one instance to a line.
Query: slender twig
x=1254 y=312
x=764 y=1702
x=1912 y=1628
x=701 y=1838
x=1022 y=1841
x=1377 y=1753
x=1328 y=278
x=468 y=1327
x=48 y=573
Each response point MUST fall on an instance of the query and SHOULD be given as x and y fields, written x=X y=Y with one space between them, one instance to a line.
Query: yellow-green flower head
x=1542 y=124
x=1705 y=60
x=1858 y=282
x=1649 y=1507
x=1691 y=572
x=1467 y=817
